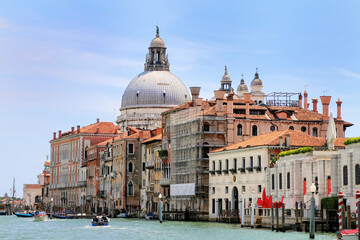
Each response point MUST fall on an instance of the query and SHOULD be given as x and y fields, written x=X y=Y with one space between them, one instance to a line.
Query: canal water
x=12 y=227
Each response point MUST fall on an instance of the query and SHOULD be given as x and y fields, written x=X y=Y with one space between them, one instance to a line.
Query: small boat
x=100 y=221
x=123 y=215
x=40 y=216
x=24 y=214
x=348 y=234
x=151 y=216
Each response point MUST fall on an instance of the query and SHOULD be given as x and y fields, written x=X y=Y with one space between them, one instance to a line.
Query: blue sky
x=66 y=63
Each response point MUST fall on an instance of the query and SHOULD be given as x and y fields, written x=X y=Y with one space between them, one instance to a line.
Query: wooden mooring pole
x=277 y=217
x=272 y=217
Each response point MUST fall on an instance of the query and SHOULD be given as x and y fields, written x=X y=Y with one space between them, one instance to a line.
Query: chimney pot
x=325 y=100
x=54 y=135
x=338 y=104
x=314 y=101
x=195 y=91
x=306 y=100
x=59 y=133
x=78 y=129
x=300 y=101
x=72 y=130
x=97 y=120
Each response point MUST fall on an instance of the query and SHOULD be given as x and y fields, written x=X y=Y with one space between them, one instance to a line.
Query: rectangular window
x=227 y=164
x=243 y=162
x=235 y=164
x=259 y=188
x=259 y=160
x=130 y=148
x=213 y=166
x=273 y=182
x=251 y=162
x=213 y=206
x=143 y=167
x=243 y=189
x=213 y=190
x=220 y=167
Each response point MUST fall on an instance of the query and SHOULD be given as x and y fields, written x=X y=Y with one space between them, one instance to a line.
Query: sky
x=67 y=63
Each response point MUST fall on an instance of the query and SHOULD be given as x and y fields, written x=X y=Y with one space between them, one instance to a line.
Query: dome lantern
x=157 y=59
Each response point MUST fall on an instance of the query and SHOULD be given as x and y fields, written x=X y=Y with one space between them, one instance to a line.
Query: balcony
x=250 y=169
x=241 y=170
x=211 y=172
x=232 y=170
x=218 y=171
x=225 y=171
x=150 y=188
x=163 y=153
x=149 y=164
x=165 y=181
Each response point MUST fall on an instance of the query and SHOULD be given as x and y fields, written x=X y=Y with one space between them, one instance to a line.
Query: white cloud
x=349 y=73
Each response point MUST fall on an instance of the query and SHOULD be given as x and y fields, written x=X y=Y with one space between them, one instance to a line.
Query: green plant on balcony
x=225 y=171
x=352 y=140
x=211 y=172
x=163 y=153
x=218 y=171
x=258 y=168
x=232 y=170
x=296 y=151
x=250 y=169
x=242 y=170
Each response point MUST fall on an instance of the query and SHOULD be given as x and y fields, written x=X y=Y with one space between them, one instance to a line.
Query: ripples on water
x=12 y=227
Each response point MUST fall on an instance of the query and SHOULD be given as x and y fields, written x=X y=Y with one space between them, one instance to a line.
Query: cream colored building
x=244 y=168
x=30 y=193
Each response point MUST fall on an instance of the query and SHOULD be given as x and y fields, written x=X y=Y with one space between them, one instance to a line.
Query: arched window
x=239 y=129
x=345 y=176
x=288 y=180
x=315 y=132
x=280 y=181
x=273 y=182
x=130 y=169
x=130 y=188
x=206 y=127
x=357 y=174
x=254 y=130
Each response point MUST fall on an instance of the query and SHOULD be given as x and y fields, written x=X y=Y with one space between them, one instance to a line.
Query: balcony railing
x=165 y=181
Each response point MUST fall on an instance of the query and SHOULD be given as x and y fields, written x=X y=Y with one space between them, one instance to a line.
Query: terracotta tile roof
x=153 y=139
x=134 y=129
x=308 y=115
x=103 y=143
x=104 y=127
x=297 y=139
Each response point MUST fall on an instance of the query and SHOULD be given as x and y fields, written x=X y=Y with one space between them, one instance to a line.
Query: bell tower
x=157 y=59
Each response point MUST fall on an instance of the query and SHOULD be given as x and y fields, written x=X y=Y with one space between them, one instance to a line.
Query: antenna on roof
x=324 y=91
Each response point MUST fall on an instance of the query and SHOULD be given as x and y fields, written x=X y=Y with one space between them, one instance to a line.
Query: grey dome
x=242 y=86
x=256 y=81
x=155 y=88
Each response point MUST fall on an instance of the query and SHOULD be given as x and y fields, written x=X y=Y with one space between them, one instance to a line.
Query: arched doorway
x=235 y=198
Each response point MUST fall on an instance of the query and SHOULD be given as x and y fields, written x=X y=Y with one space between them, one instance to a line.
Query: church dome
x=242 y=87
x=155 y=88
x=157 y=42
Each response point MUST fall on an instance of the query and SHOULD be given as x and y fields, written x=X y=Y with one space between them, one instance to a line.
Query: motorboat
x=348 y=234
x=40 y=216
x=24 y=214
x=151 y=216
x=123 y=215
x=100 y=221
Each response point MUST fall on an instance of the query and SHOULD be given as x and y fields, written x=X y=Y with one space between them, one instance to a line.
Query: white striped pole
x=357 y=202
x=340 y=203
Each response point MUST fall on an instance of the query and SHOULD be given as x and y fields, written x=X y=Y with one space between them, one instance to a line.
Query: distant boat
x=348 y=234
x=40 y=216
x=151 y=216
x=123 y=215
x=99 y=221
x=24 y=214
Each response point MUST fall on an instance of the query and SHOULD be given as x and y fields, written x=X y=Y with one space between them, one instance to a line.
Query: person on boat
x=95 y=219
x=104 y=218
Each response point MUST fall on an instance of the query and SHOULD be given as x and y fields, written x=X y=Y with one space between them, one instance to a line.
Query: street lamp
x=312 y=211
x=51 y=207
x=160 y=210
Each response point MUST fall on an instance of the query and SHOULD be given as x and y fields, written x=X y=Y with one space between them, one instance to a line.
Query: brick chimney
x=247 y=97
x=305 y=100
x=59 y=133
x=195 y=91
x=219 y=96
x=72 y=130
x=325 y=100
x=338 y=104
x=78 y=129
x=314 y=101
x=300 y=100
x=54 y=135
x=97 y=120
x=97 y=130
x=230 y=104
